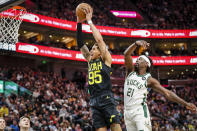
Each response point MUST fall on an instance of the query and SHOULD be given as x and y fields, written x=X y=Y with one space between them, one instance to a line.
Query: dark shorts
x=104 y=112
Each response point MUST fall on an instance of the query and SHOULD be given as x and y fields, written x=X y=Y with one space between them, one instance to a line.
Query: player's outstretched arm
x=155 y=85
x=83 y=48
x=106 y=56
x=129 y=51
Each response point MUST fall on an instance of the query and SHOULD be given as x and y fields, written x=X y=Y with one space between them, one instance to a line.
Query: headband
x=146 y=59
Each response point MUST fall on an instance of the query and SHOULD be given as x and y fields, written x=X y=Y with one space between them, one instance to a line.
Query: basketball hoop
x=10 y=21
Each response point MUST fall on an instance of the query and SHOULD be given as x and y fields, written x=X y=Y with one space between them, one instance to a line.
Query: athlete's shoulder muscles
x=155 y=85
x=86 y=53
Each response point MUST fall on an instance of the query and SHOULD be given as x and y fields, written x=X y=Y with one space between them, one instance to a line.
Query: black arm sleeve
x=79 y=35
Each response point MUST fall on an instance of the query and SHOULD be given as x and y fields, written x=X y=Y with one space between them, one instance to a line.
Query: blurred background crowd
x=161 y=14
x=58 y=103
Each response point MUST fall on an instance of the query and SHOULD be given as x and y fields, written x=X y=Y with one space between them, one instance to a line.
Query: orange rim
x=19 y=8
x=17 y=15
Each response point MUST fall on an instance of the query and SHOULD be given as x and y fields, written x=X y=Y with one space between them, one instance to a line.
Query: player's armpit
x=155 y=85
x=105 y=54
x=86 y=53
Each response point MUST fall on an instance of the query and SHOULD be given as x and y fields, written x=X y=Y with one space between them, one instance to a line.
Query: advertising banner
x=105 y=30
x=116 y=59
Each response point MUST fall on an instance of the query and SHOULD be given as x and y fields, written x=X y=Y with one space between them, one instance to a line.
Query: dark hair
x=96 y=44
x=148 y=68
x=24 y=117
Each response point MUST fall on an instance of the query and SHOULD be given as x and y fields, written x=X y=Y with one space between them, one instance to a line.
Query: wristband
x=136 y=44
x=89 y=22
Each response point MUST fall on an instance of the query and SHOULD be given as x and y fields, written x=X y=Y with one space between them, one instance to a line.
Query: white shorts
x=138 y=119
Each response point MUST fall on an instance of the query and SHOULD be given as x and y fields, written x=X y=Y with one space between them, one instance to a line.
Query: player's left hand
x=88 y=12
x=143 y=43
x=192 y=107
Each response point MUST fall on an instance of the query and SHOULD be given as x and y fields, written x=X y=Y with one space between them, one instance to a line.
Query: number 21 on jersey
x=94 y=77
x=130 y=92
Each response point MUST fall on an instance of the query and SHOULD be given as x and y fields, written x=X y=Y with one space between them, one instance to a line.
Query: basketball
x=79 y=10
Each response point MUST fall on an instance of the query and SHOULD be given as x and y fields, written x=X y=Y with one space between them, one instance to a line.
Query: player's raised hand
x=192 y=107
x=143 y=43
x=88 y=11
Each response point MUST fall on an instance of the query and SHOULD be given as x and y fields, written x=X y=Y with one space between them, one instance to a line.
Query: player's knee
x=102 y=129
x=115 y=127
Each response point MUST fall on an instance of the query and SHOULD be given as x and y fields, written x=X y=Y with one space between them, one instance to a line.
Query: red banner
x=116 y=59
x=111 y=31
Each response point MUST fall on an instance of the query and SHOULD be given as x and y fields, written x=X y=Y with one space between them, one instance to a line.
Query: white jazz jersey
x=135 y=89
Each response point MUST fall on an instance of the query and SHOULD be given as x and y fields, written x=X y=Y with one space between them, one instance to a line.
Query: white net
x=10 y=21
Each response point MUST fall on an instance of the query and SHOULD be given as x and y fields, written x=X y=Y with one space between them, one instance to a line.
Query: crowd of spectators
x=165 y=14
x=56 y=102
x=174 y=117
x=66 y=10
x=60 y=104
x=162 y=14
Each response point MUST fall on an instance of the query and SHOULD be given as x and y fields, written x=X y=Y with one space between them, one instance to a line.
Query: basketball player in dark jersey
x=103 y=105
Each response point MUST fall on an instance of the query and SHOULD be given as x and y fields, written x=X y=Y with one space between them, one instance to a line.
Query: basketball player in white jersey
x=138 y=79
